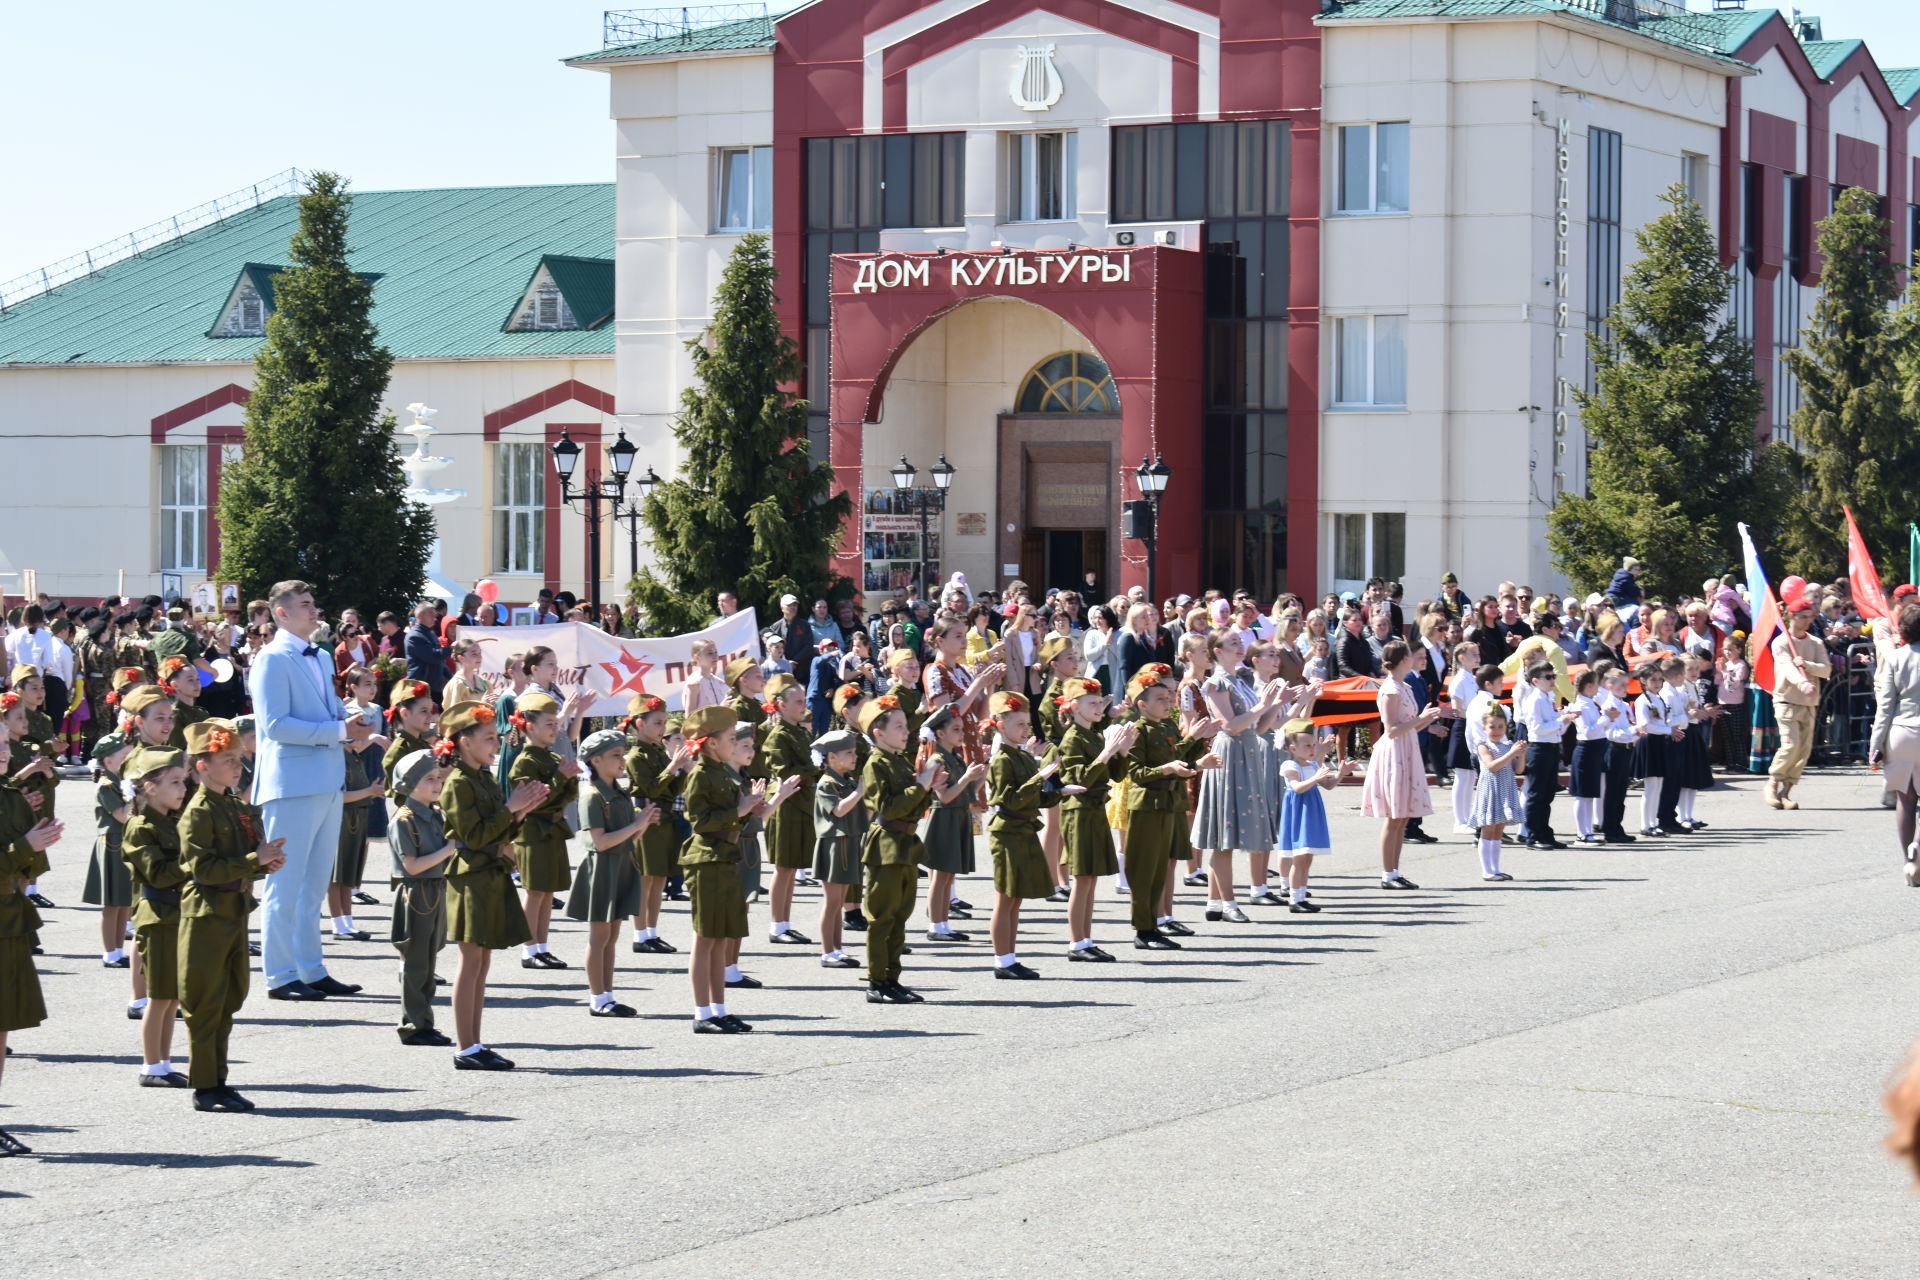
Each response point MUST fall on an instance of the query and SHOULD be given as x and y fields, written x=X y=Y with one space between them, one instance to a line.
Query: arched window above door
x=1071 y=382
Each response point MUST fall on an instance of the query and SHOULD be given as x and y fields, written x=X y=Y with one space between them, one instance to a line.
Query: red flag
x=1868 y=598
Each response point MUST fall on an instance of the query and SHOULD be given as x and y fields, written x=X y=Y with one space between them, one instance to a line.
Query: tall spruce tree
x=1671 y=415
x=750 y=511
x=1855 y=432
x=317 y=492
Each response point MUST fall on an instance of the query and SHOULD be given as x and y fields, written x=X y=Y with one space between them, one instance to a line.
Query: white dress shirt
x=1620 y=729
x=32 y=648
x=1542 y=721
x=1652 y=712
x=1591 y=726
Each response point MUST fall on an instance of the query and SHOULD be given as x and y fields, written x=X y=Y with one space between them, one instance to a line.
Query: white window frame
x=1370 y=133
x=1696 y=177
x=1022 y=162
x=183 y=508
x=1346 y=396
x=1373 y=560
x=759 y=195
x=520 y=508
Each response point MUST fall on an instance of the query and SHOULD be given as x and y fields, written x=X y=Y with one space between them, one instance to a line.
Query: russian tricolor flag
x=1766 y=612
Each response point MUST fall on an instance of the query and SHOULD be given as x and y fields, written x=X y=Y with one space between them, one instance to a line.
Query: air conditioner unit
x=1172 y=235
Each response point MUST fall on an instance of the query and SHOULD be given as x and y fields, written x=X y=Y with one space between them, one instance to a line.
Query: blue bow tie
x=309 y=651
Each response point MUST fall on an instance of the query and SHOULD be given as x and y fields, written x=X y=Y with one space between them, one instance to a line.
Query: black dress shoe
x=855 y=921
x=485 y=1060
x=1060 y=894
x=1302 y=906
x=735 y=1023
x=959 y=904
x=1089 y=955
x=1619 y=837
x=439 y=981
x=358 y=935
x=365 y=899
x=639 y=948
x=1174 y=929
x=1545 y=844
x=548 y=960
x=253 y=948
x=1194 y=879
x=1016 y=970
x=891 y=993
x=135 y=1014
x=295 y=990
x=844 y=962
x=661 y=947
x=675 y=895
x=1421 y=837
x=906 y=949
x=12 y=1146
x=559 y=904
x=906 y=995
x=709 y=1027
x=331 y=986
x=745 y=982
x=958 y=913
x=1154 y=940
x=124 y=962
x=221 y=1099
x=1397 y=882
x=614 y=1011
x=171 y=1080
x=951 y=935
x=790 y=938
x=430 y=1036
x=40 y=900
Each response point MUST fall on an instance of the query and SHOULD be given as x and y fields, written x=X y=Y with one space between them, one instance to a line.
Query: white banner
x=614 y=668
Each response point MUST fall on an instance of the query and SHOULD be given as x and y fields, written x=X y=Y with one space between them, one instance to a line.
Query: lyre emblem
x=1036 y=81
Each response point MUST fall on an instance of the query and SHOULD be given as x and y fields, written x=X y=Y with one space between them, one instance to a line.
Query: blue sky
x=142 y=110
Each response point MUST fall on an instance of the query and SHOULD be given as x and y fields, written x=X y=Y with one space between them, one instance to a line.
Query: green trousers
x=1155 y=840
x=419 y=931
x=213 y=986
x=891 y=894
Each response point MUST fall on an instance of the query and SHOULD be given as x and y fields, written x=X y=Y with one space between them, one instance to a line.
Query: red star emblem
x=629 y=674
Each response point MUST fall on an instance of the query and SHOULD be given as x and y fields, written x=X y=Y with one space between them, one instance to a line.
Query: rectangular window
x=1369 y=546
x=519 y=508
x=1372 y=161
x=1040 y=176
x=1693 y=176
x=743 y=189
x=1370 y=361
x=1787 y=303
x=183 y=507
x=1603 y=232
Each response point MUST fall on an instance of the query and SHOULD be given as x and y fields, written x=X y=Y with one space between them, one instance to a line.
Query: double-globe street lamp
x=1152 y=478
x=904 y=477
x=595 y=490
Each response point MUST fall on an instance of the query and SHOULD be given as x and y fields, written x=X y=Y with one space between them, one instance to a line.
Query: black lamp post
x=566 y=457
x=1152 y=478
x=904 y=475
x=632 y=513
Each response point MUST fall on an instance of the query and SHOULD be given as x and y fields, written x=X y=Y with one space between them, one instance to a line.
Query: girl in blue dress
x=1303 y=812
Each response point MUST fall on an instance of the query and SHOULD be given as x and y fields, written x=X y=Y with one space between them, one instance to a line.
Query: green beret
x=411 y=771
x=601 y=742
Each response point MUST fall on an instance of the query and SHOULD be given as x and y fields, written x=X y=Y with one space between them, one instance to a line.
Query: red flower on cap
x=218 y=740
x=8 y=701
x=443 y=750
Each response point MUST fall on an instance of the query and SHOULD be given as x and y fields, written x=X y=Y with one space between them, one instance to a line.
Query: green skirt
x=660 y=850
x=159 y=948
x=749 y=867
x=483 y=909
x=544 y=867
x=836 y=860
x=350 y=860
x=1086 y=843
x=719 y=908
x=109 y=883
x=790 y=832
x=948 y=843
x=20 y=1003
x=1019 y=865
x=606 y=889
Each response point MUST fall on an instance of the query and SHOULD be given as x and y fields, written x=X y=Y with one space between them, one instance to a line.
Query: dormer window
x=564 y=293
x=246 y=315
x=543 y=307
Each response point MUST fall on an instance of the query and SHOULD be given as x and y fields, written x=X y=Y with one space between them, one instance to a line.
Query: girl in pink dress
x=1396 y=787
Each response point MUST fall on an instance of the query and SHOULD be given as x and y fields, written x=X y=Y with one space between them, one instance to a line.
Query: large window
x=1787 y=304
x=1372 y=162
x=743 y=179
x=1369 y=546
x=519 y=508
x=1693 y=177
x=1741 y=301
x=183 y=507
x=1603 y=232
x=1040 y=176
x=1370 y=361
x=1072 y=382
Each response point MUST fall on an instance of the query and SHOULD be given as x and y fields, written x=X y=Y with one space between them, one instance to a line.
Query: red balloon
x=487 y=589
x=1792 y=585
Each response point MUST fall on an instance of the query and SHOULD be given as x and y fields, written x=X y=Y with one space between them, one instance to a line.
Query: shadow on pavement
x=170 y=1160
x=408 y=1115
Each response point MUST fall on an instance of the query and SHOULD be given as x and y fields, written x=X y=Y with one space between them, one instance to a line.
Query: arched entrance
x=1137 y=310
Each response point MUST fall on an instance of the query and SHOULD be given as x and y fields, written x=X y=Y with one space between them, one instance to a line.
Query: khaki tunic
x=787 y=752
x=650 y=780
x=544 y=833
x=1017 y=794
x=21 y=1004
x=482 y=907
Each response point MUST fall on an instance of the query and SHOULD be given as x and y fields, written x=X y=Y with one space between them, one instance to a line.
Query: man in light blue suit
x=298 y=776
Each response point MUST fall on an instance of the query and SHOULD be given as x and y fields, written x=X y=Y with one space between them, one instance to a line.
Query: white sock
x=1124 y=886
x=1463 y=782
x=1583 y=815
x=719 y=1011
x=942 y=926
x=159 y=1068
x=1650 y=803
x=141 y=1003
x=1489 y=857
x=733 y=973
x=640 y=935
x=1686 y=803
x=701 y=1012
x=781 y=926
x=1298 y=895
x=32 y=888
x=1006 y=961
x=1390 y=875
x=528 y=950
x=1164 y=920
x=1081 y=945
x=471 y=1049
x=108 y=957
x=601 y=999
x=1214 y=904
x=648 y=935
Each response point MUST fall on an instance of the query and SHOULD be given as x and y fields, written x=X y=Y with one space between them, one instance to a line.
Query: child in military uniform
x=108 y=886
x=1158 y=766
x=409 y=726
x=748 y=683
x=949 y=834
x=606 y=889
x=1059 y=661
x=1089 y=759
x=848 y=702
x=655 y=776
x=746 y=770
x=1019 y=786
x=716 y=809
x=840 y=828
x=34 y=774
x=898 y=798
x=24 y=838
x=157 y=778
x=787 y=752
x=180 y=680
x=483 y=911
x=420 y=848
x=360 y=791
x=541 y=844
x=221 y=851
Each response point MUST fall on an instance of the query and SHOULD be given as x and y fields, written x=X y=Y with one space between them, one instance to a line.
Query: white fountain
x=419 y=465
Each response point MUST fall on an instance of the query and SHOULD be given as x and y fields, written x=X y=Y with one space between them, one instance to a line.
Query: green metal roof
x=1679 y=29
x=1904 y=81
x=747 y=33
x=1827 y=55
x=449 y=262
x=586 y=284
x=1734 y=27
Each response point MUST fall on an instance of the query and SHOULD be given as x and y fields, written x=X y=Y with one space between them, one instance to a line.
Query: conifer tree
x=750 y=511
x=1854 y=431
x=317 y=492
x=1671 y=416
